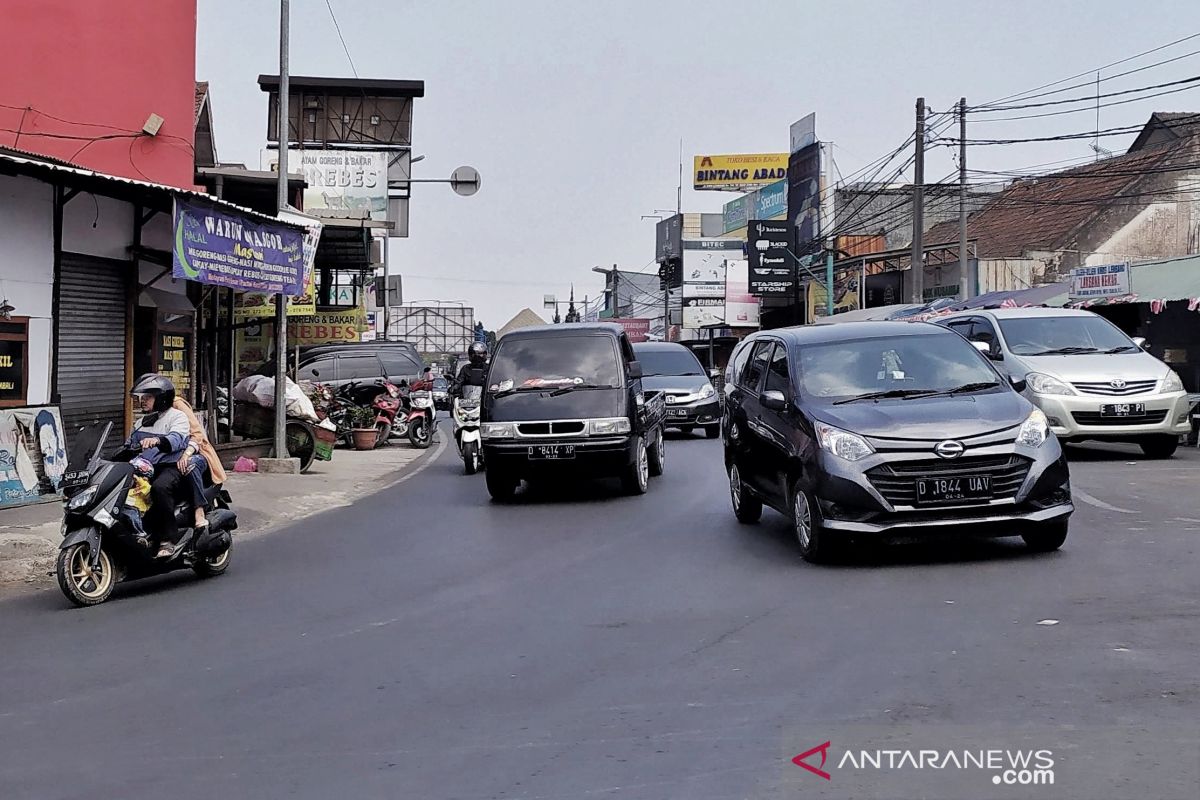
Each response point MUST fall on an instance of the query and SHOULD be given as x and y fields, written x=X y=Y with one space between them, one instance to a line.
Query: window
x=737 y=363
x=535 y=363
x=319 y=370
x=777 y=372
x=1064 y=335
x=961 y=326
x=675 y=361
x=399 y=364
x=359 y=368
x=982 y=331
x=14 y=365
x=757 y=365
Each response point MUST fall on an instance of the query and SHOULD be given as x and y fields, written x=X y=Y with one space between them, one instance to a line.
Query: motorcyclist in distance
x=474 y=371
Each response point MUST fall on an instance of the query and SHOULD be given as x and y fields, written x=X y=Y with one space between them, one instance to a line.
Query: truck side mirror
x=635 y=369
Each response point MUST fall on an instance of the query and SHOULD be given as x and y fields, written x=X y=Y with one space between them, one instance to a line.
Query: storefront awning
x=166 y=301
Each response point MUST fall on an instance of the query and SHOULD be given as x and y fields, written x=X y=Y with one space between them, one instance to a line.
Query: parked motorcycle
x=387 y=406
x=100 y=549
x=421 y=418
x=466 y=428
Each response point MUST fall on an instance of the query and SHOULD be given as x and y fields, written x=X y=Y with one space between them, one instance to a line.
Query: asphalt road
x=424 y=643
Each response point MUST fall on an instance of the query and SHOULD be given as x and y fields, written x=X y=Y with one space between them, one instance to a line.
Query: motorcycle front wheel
x=419 y=434
x=470 y=455
x=81 y=584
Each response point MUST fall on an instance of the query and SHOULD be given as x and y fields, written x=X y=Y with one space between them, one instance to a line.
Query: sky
x=573 y=112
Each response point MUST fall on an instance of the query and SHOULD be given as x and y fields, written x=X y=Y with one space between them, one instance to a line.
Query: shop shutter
x=91 y=344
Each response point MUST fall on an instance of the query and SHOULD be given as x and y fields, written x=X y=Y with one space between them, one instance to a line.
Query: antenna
x=679 y=191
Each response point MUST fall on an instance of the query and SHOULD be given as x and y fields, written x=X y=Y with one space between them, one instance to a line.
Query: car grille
x=550 y=428
x=1152 y=417
x=897 y=482
x=1106 y=388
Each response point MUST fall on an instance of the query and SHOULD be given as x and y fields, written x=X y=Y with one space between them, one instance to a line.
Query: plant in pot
x=362 y=427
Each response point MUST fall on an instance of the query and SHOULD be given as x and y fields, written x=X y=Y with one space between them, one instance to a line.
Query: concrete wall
x=27 y=270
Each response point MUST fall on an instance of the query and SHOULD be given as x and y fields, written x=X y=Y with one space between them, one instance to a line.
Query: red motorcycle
x=387 y=406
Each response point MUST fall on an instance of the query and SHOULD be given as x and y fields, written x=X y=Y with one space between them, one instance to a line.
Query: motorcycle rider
x=162 y=436
x=474 y=371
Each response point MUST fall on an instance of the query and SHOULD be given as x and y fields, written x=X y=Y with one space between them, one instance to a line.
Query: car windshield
x=555 y=362
x=1065 y=335
x=903 y=365
x=668 y=362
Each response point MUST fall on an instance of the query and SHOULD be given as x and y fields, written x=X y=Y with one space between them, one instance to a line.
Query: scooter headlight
x=83 y=499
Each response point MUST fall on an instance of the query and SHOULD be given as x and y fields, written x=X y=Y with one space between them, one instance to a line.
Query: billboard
x=635 y=328
x=341 y=183
x=741 y=307
x=736 y=213
x=668 y=238
x=846 y=296
x=703 y=287
x=804 y=198
x=770 y=201
x=803 y=132
x=737 y=173
x=772 y=272
x=1104 y=280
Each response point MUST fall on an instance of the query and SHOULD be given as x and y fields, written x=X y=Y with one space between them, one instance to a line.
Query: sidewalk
x=29 y=535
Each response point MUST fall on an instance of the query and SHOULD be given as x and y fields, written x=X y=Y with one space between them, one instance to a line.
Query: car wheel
x=712 y=431
x=810 y=536
x=1159 y=446
x=1046 y=537
x=501 y=487
x=658 y=455
x=637 y=475
x=746 y=507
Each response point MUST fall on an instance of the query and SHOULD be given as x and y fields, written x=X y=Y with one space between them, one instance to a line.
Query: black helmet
x=477 y=353
x=158 y=386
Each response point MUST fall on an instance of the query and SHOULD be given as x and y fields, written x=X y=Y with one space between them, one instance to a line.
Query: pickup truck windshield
x=554 y=363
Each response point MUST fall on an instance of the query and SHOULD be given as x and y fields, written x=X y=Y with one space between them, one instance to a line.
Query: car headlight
x=498 y=430
x=1171 y=382
x=707 y=392
x=1035 y=430
x=1040 y=383
x=607 y=427
x=843 y=444
x=83 y=499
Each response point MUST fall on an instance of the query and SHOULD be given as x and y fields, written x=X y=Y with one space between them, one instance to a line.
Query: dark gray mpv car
x=887 y=429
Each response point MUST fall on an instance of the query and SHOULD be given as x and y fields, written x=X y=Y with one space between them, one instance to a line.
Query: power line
x=1119 y=131
x=338 y=28
x=1103 y=105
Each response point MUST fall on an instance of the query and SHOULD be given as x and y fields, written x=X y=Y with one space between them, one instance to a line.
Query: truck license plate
x=946 y=490
x=551 y=451
x=1123 y=410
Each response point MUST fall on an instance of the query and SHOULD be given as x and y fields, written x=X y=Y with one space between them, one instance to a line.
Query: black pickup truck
x=568 y=399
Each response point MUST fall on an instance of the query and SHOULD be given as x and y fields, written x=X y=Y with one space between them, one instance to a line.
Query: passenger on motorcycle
x=474 y=371
x=162 y=436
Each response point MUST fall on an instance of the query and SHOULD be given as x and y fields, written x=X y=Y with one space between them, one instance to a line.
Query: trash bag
x=260 y=390
x=244 y=464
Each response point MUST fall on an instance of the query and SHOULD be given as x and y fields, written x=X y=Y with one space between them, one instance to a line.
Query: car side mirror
x=1141 y=342
x=635 y=369
x=773 y=400
x=986 y=349
x=714 y=373
x=1018 y=384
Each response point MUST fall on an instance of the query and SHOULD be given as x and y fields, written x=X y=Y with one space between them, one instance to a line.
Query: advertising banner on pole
x=743 y=172
x=340 y=183
x=772 y=271
x=741 y=307
x=703 y=288
x=221 y=248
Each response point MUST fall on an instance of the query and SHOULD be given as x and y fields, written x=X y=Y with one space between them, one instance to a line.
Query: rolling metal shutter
x=91 y=343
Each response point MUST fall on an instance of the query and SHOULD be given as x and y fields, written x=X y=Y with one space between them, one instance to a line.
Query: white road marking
x=1097 y=502
x=436 y=455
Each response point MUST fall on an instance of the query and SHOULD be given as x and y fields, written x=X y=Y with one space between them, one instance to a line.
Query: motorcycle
x=466 y=428
x=100 y=549
x=387 y=406
x=420 y=418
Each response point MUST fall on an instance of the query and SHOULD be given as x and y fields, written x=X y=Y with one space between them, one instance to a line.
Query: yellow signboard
x=846 y=297
x=249 y=305
x=327 y=327
x=738 y=173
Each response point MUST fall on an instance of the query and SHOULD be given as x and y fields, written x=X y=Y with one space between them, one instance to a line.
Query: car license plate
x=677 y=412
x=551 y=451
x=75 y=478
x=946 y=490
x=1123 y=410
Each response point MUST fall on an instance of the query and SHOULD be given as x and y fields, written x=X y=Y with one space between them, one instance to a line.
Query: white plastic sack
x=260 y=390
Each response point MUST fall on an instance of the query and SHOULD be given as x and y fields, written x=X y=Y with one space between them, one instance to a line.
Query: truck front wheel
x=636 y=477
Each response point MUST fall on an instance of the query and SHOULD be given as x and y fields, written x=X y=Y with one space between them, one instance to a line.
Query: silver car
x=1091 y=380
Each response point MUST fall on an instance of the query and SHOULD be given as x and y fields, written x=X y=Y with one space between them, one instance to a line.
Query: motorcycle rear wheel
x=383 y=431
x=82 y=585
x=212 y=566
x=419 y=435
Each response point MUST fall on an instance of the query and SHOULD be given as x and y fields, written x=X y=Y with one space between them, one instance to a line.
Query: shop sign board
x=771 y=201
x=174 y=350
x=741 y=307
x=741 y=172
x=703 y=287
x=221 y=248
x=33 y=454
x=1102 y=280
x=736 y=213
x=635 y=328
x=772 y=272
x=326 y=327
x=340 y=183
x=847 y=296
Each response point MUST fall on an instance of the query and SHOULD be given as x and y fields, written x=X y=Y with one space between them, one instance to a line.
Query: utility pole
x=964 y=292
x=281 y=201
x=827 y=210
x=917 y=268
x=616 y=292
x=387 y=293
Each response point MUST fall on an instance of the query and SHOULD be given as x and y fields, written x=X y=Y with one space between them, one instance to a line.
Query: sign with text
x=771 y=269
x=741 y=307
x=1103 y=280
x=175 y=358
x=703 y=287
x=221 y=248
x=741 y=172
x=340 y=183
x=635 y=328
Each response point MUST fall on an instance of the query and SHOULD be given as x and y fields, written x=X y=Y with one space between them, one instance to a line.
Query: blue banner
x=227 y=249
x=771 y=201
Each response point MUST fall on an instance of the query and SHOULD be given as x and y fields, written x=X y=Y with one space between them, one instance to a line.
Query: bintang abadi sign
x=221 y=248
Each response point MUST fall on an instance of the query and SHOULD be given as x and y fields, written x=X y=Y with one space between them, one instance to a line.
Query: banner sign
x=33 y=454
x=220 y=248
x=703 y=288
x=1104 y=280
x=804 y=198
x=735 y=173
x=846 y=296
x=635 y=328
x=772 y=272
x=736 y=213
x=741 y=307
x=771 y=201
x=257 y=304
x=340 y=183
x=328 y=327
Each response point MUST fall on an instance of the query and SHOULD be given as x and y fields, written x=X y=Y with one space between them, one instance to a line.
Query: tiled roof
x=201 y=94
x=1044 y=213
